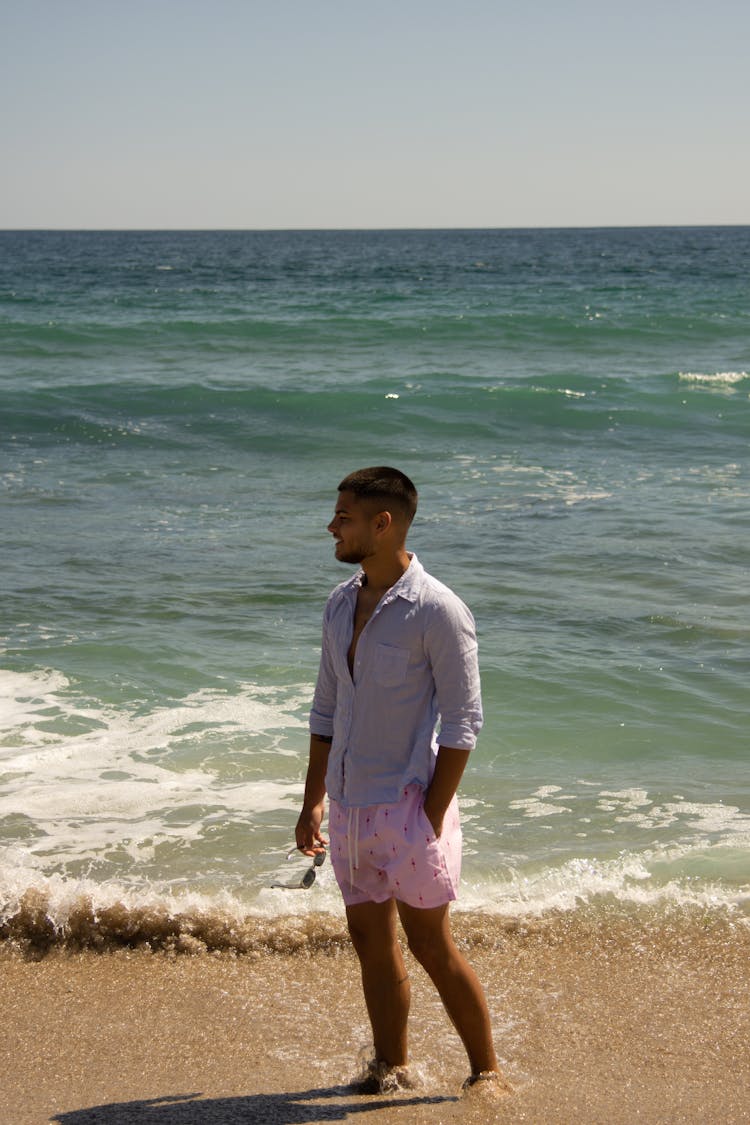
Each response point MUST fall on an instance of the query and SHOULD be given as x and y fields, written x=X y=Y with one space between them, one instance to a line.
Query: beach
x=597 y=1018
x=178 y=409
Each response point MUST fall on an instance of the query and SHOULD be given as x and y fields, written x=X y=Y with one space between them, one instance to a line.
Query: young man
x=399 y=658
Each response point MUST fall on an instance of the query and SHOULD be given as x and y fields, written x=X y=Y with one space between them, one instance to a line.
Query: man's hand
x=449 y=768
x=307 y=833
x=434 y=816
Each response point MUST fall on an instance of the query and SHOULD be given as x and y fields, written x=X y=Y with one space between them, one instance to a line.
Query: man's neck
x=382 y=573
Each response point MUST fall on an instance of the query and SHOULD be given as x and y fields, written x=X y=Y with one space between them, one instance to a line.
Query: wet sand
x=597 y=1019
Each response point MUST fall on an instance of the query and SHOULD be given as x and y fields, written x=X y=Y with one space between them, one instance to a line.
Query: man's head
x=384 y=488
x=374 y=511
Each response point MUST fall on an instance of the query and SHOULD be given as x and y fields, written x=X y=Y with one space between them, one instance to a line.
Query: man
x=399 y=659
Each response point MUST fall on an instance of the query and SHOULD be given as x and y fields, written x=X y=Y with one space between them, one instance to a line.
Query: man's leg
x=431 y=941
x=372 y=926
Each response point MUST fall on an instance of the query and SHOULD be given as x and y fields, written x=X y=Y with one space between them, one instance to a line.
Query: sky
x=304 y=114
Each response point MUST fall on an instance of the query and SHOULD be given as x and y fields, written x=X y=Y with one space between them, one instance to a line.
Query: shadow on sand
x=305 y=1107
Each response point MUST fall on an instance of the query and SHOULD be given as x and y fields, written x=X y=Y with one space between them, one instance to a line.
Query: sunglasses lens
x=319 y=859
x=308 y=878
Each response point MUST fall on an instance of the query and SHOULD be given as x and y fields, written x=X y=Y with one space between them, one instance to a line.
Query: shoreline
x=40 y=920
x=597 y=1017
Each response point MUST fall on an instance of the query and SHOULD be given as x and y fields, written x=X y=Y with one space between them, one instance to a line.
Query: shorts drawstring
x=353 y=851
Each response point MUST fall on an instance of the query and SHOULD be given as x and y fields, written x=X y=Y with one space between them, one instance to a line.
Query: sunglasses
x=308 y=878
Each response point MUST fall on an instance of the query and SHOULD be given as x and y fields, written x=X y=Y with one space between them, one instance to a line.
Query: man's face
x=353 y=528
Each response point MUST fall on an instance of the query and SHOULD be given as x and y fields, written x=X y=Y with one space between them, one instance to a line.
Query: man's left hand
x=435 y=820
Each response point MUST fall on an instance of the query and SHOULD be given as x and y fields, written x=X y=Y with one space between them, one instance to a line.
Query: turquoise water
x=177 y=409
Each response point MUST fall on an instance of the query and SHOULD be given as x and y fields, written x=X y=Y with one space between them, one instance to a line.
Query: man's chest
x=364 y=607
x=362 y=635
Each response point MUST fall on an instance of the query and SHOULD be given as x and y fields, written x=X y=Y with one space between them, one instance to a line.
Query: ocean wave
x=53 y=916
x=162 y=792
x=308 y=407
x=621 y=883
x=719 y=380
x=107 y=804
x=42 y=915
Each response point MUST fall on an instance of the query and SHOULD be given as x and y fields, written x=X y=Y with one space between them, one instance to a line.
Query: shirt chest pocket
x=390 y=665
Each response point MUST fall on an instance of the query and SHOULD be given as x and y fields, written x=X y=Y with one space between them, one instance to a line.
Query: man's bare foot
x=487 y=1084
x=380 y=1078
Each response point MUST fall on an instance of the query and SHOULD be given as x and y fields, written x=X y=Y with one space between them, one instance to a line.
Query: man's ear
x=383 y=521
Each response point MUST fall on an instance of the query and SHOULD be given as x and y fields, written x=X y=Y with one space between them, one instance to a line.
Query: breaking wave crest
x=61 y=915
x=720 y=379
x=36 y=927
x=32 y=932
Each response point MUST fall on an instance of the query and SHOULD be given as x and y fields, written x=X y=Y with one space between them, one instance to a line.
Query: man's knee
x=361 y=935
x=429 y=949
x=429 y=937
x=372 y=929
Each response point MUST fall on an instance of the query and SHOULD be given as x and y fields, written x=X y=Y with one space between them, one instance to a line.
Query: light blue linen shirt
x=415 y=671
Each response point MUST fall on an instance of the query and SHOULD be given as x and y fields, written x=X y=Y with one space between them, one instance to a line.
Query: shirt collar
x=408 y=584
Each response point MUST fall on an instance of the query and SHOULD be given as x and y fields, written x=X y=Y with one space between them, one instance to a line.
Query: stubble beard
x=354 y=553
x=352 y=556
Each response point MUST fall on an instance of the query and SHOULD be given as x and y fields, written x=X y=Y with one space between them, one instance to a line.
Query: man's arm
x=452 y=650
x=307 y=832
x=449 y=769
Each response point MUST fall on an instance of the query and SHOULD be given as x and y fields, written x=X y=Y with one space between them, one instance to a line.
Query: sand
x=597 y=1019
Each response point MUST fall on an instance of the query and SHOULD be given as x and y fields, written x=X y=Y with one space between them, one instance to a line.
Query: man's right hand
x=307 y=833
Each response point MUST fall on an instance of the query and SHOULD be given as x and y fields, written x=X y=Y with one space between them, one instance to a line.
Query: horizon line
x=364 y=230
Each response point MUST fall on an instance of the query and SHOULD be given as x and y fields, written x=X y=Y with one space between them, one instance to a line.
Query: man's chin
x=353 y=557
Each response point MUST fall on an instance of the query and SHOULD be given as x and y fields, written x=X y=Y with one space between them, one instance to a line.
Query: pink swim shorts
x=391 y=851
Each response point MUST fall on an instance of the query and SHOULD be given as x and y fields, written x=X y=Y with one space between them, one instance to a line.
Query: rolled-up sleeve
x=324 y=699
x=451 y=647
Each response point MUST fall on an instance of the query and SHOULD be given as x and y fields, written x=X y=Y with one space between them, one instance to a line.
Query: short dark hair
x=384 y=485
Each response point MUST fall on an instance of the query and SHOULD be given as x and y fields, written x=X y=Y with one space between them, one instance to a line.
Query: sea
x=176 y=412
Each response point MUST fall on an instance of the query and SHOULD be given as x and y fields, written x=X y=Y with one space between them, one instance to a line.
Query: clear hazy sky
x=390 y=113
